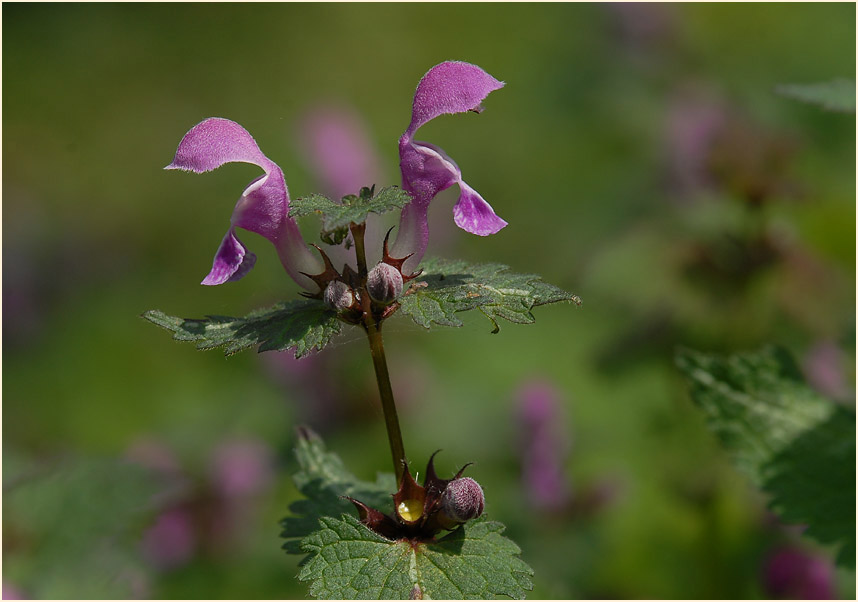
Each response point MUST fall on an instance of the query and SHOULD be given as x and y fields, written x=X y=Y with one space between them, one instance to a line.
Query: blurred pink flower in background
x=642 y=23
x=693 y=123
x=155 y=455
x=791 y=573
x=545 y=446
x=171 y=542
x=340 y=154
x=206 y=513
x=339 y=151
x=823 y=366
x=10 y=592
x=241 y=468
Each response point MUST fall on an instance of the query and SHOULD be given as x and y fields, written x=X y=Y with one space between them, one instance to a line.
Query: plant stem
x=358 y=231
x=394 y=435
x=372 y=325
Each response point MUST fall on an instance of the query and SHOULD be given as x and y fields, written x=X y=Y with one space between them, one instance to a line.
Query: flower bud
x=384 y=282
x=462 y=500
x=338 y=295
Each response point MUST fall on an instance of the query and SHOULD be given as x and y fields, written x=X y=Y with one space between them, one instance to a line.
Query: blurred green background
x=642 y=160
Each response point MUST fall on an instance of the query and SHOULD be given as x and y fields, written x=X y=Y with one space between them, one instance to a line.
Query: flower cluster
x=263 y=208
x=420 y=512
x=362 y=293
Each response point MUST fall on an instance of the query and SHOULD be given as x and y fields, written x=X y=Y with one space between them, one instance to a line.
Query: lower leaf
x=475 y=561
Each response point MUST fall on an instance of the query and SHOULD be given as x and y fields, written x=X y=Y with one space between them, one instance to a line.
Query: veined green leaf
x=446 y=288
x=303 y=325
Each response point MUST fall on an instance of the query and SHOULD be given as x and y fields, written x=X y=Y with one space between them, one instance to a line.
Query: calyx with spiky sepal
x=419 y=511
x=397 y=262
x=343 y=292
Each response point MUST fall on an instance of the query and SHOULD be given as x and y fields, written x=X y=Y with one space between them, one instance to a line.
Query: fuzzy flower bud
x=384 y=282
x=338 y=295
x=462 y=500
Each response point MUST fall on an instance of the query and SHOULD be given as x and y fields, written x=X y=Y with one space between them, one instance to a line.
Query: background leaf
x=794 y=444
x=836 y=95
x=456 y=286
x=81 y=516
x=305 y=325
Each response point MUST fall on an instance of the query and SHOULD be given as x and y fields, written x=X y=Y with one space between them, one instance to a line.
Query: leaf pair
x=444 y=289
x=336 y=217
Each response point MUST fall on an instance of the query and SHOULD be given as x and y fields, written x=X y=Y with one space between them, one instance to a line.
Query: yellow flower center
x=410 y=510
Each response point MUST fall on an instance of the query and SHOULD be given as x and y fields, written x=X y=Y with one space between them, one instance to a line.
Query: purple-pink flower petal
x=263 y=207
x=473 y=214
x=216 y=141
x=450 y=87
x=232 y=261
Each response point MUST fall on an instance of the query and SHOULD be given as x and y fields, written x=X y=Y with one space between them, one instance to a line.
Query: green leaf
x=794 y=444
x=349 y=561
x=323 y=478
x=336 y=217
x=306 y=325
x=836 y=95
x=448 y=287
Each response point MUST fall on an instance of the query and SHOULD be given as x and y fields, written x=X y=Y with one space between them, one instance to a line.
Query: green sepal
x=793 y=443
x=447 y=287
x=474 y=562
x=304 y=325
x=336 y=217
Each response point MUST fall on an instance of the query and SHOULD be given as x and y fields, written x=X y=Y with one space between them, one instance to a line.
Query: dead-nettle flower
x=450 y=87
x=263 y=207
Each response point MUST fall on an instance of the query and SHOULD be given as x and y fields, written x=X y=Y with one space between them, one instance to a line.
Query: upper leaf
x=836 y=95
x=793 y=443
x=323 y=479
x=306 y=325
x=336 y=217
x=448 y=287
x=475 y=561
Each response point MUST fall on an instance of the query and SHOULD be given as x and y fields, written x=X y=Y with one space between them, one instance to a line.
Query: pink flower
x=450 y=87
x=263 y=207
